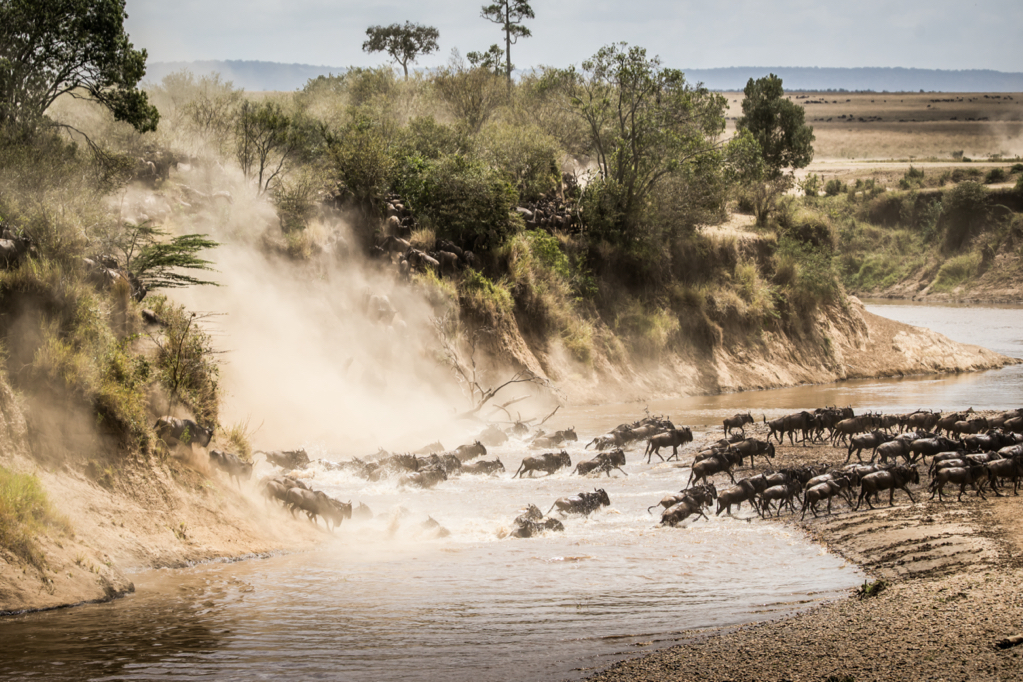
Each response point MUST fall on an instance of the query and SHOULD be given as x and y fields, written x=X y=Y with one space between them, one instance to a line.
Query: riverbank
x=953 y=574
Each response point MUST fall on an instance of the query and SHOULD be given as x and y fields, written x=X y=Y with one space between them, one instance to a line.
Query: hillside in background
x=254 y=75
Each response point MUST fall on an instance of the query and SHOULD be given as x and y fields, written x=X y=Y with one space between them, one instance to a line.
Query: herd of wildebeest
x=965 y=450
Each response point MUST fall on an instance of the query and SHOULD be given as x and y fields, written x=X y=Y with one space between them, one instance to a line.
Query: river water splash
x=388 y=600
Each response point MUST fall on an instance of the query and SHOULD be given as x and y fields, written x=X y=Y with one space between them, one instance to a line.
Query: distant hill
x=252 y=75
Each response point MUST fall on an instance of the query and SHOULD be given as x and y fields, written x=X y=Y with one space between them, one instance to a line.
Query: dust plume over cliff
x=327 y=351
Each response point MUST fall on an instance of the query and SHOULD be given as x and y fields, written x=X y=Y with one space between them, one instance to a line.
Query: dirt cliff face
x=842 y=342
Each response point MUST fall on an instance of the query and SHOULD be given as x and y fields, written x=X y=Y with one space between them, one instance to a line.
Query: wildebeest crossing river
x=391 y=601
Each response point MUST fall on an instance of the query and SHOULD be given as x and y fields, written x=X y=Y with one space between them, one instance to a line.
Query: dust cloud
x=312 y=354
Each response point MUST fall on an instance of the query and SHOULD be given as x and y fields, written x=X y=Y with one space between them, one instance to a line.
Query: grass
x=25 y=513
x=956 y=271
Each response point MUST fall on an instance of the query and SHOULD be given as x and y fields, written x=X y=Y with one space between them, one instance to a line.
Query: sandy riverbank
x=955 y=588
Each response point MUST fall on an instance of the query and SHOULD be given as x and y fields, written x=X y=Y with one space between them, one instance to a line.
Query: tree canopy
x=777 y=124
x=404 y=43
x=509 y=15
x=49 y=48
x=645 y=122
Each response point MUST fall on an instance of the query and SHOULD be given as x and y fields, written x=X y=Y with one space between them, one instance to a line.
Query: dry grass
x=906 y=125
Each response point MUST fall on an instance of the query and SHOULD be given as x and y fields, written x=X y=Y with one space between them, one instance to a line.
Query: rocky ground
x=953 y=588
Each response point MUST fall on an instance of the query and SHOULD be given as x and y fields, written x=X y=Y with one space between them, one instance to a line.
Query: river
x=389 y=601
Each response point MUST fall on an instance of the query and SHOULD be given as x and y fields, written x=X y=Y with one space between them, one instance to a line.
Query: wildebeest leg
x=619 y=469
x=911 y=500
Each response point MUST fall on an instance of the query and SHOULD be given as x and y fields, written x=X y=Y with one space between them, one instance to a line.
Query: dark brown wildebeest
x=1010 y=468
x=316 y=503
x=548 y=461
x=825 y=490
x=751 y=447
x=532 y=522
x=943 y=424
x=893 y=449
x=715 y=464
x=232 y=465
x=583 y=503
x=850 y=427
x=928 y=447
x=673 y=439
x=743 y=491
x=739 y=421
x=789 y=424
x=970 y=427
x=691 y=502
x=921 y=420
x=898 y=476
x=973 y=474
x=783 y=493
x=704 y=494
x=604 y=462
x=172 y=430
x=865 y=440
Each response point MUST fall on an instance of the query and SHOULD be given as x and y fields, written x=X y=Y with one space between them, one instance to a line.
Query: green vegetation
x=777 y=124
x=25 y=514
x=49 y=48
x=509 y=15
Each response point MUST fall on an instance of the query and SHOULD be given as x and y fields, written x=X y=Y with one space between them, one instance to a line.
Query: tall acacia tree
x=403 y=43
x=50 y=48
x=777 y=124
x=509 y=15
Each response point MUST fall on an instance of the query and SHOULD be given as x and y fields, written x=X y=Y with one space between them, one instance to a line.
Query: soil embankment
x=145 y=515
x=953 y=571
x=847 y=342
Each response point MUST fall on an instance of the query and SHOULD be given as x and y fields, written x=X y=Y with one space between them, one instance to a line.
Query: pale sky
x=930 y=34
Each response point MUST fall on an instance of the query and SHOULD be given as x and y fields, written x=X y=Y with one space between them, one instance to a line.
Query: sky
x=696 y=34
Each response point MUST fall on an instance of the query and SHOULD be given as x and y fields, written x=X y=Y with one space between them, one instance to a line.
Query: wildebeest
x=487 y=468
x=287 y=459
x=555 y=439
x=584 y=503
x=424 y=479
x=973 y=474
x=825 y=490
x=898 y=447
x=493 y=436
x=690 y=502
x=783 y=493
x=743 y=491
x=739 y=421
x=789 y=424
x=751 y=447
x=921 y=420
x=865 y=440
x=715 y=464
x=1010 y=468
x=927 y=447
x=704 y=494
x=470 y=451
x=533 y=521
x=316 y=503
x=232 y=465
x=898 y=476
x=604 y=462
x=548 y=461
x=184 y=431
x=852 y=426
x=673 y=439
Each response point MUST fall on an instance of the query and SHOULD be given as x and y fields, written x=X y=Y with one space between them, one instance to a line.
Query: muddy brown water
x=389 y=601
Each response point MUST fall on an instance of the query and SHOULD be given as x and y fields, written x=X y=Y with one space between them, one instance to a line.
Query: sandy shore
x=955 y=588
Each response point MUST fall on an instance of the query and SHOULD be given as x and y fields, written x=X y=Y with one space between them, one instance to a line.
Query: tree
x=645 y=123
x=267 y=138
x=777 y=124
x=509 y=14
x=473 y=93
x=153 y=261
x=403 y=43
x=50 y=48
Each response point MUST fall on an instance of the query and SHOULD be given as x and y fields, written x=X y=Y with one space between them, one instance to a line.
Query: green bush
x=527 y=156
x=462 y=200
x=186 y=363
x=995 y=175
x=913 y=179
x=360 y=161
x=808 y=274
x=834 y=187
x=964 y=213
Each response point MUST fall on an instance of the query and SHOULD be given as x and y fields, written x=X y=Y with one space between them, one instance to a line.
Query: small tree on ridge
x=404 y=44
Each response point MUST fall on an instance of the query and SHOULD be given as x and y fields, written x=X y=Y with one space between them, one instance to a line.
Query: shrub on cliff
x=964 y=214
x=25 y=513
